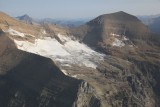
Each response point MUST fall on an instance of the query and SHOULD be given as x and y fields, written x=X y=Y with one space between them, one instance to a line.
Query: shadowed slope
x=29 y=80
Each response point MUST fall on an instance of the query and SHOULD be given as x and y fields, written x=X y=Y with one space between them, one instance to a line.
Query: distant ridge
x=27 y=19
x=6 y=22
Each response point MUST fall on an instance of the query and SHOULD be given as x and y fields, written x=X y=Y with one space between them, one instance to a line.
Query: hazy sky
x=77 y=8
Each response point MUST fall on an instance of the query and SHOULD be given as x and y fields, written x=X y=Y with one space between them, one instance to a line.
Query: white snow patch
x=44 y=32
x=118 y=43
x=64 y=71
x=77 y=76
x=14 y=32
x=124 y=38
x=131 y=46
x=74 y=76
x=119 y=40
x=45 y=47
x=72 y=52
x=113 y=34
x=17 y=33
x=66 y=65
x=63 y=38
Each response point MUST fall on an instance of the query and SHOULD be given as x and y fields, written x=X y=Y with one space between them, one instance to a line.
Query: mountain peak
x=26 y=16
x=119 y=23
x=123 y=15
x=120 y=12
x=27 y=19
x=117 y=16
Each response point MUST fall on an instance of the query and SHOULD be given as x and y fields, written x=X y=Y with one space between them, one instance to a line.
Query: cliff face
x=151 y=71
x=86 y=97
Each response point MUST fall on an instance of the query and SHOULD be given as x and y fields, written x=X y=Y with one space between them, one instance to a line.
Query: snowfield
x=118 y=43
x=119 y=40
x=14 y=32
x=17 y=33
x=69 y=53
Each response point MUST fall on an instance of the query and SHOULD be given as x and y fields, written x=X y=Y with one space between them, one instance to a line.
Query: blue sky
x=77 y=8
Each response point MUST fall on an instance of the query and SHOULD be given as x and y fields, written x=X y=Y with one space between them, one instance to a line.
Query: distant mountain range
x=61 y=22
x=27 y=19
x=153 y=22
x=65 y=22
